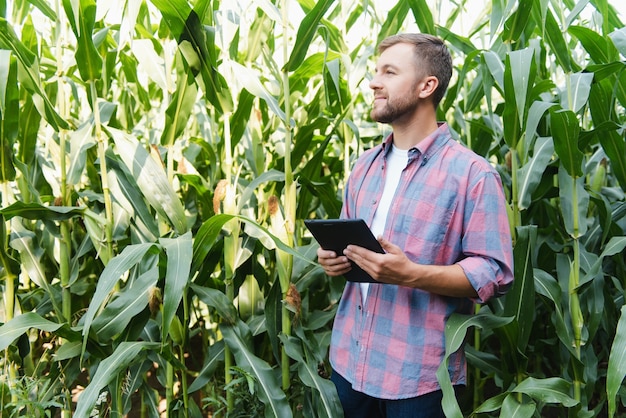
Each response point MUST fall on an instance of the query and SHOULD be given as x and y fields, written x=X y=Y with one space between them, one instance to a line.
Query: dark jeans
x=359 y=405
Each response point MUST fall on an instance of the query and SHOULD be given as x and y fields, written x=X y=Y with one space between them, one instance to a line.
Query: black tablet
x=337 y=234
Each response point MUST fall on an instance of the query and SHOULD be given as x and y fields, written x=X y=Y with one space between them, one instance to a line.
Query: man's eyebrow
x=386 y=67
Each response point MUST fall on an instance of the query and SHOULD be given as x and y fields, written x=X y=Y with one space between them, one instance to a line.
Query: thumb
x=388 y=246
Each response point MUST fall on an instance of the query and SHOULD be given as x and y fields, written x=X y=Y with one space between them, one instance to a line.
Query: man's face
x=395 y=84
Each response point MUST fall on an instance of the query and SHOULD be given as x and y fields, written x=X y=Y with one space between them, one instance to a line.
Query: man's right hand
x=333 y=264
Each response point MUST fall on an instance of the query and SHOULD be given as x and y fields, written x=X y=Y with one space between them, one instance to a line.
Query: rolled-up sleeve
x=486 y=243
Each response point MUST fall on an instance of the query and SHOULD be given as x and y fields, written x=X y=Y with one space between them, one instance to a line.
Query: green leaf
x=9 y=114
x=306 y=32
x=179 y=111
x=512 y=408
x=565 y=131
x=548 y=286
x=115 y=268
x=126 y=193
x=619 y=40
x=393 y=21
x=36 y=211
x=206 y=237
x=82 y=16
x=81 y=140
x=128 y=303
x=175 y=14
x=522 y=67
x=218 y=300
x=214 y=356
x=556 y=40
x=125 y=354
x=530 y=175
x=520 y=300
x=210 y=230
x=616 y=370
x=45 y=8
x=151 y=179
x=616 y=245
x=308 y=373
x=577 y=94
x=423 y=16
x=28 y=75
x=496 y=68
x=596 y=45
x=601 y=105
x=149 y=61
x=24 y=241
x=455 y=332
x=517 y=23
x=17 y=326
x=179 y=252
x=251 y=82
x=549 y=390
x=197 y=47
x=276 y=404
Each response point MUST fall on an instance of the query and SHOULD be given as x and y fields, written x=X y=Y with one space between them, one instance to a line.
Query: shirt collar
x=426 y=146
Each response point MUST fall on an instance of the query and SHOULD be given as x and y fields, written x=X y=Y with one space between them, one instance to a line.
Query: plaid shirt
x=449 y=208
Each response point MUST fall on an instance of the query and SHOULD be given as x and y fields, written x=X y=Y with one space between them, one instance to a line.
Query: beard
x=396 y=109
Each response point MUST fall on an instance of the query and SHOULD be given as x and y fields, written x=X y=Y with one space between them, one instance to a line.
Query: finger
x=322 y=253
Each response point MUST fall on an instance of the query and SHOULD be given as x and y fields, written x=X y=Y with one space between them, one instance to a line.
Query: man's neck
x=407 y=134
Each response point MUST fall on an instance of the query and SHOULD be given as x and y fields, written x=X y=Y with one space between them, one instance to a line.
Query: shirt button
x=359 y=307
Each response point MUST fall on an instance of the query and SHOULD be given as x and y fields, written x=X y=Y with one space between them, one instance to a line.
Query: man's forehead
x=396 y=55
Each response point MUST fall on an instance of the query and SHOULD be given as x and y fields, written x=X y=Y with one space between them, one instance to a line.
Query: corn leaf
x=179 y=251
x=151 y=179
x=616 y=370
x=29 y=75
x=306 y=32
x=455 y=332
x=565 y=131
x=9 y=114
x=82 y=16
x=520 y=300
x=549 y=390
x=423 y=16
x=213 y=358
x=11 y=330
x=115 y=268
x=513 y=408
x=125 y=354
x=308 y=372
x=128 y=303
x=238 y=339
x=529 y=176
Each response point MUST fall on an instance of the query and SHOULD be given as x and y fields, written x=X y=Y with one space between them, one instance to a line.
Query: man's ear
x=427 y=86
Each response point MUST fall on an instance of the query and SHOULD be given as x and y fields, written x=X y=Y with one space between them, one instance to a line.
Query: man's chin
x=380 y=118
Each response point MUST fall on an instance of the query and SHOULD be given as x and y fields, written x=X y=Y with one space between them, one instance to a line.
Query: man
x=440 y=215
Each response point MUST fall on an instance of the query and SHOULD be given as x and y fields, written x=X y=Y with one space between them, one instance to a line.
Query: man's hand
x=333 y=264
x=391 y=267
x=394 y=267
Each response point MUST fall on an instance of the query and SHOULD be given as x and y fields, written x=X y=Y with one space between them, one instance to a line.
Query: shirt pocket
x=430 y=226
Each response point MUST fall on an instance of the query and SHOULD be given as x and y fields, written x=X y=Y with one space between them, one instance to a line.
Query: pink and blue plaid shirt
x=449 y=208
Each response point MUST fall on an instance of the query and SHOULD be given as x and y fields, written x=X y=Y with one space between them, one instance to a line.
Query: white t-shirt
x=396 y=162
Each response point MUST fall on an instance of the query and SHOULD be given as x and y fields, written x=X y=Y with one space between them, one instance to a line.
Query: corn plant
x=158 y=158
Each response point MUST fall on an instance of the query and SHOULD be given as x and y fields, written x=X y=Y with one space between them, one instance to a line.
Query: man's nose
x=375 y=82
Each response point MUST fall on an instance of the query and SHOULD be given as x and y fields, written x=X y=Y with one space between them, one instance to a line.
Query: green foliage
x=158 y=158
